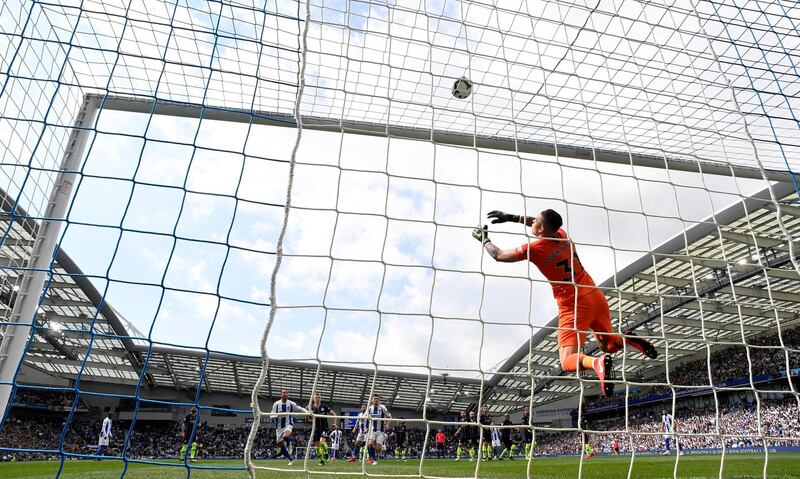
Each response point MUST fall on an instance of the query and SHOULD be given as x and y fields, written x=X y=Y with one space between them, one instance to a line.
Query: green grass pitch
x=645 y=466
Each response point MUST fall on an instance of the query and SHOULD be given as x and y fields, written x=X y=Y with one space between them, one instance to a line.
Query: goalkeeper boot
x=603 y=366
x=642 y=345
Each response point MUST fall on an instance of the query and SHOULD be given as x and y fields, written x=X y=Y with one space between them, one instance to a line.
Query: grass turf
x=645 y=466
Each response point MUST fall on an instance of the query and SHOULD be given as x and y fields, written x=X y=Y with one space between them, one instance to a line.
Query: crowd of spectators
x=148 y=440
x=45 y=399
x=727 y=364
x=153 y=439
x=43 y=431
x=694 y=429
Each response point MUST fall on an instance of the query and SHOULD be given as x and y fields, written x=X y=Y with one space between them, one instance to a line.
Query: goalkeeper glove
x=499 y=217
x=481 y=234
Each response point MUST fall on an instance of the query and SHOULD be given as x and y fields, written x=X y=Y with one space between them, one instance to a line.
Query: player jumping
x=284 y=424
x=555 y=256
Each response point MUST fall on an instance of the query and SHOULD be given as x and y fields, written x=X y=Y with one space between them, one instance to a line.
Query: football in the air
x=462 y=88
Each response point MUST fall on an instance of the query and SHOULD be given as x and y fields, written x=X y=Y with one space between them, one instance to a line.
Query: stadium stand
x=711 y=306
x=694 y=427
x=149 y=439
x=728 y=366
x=27 y=427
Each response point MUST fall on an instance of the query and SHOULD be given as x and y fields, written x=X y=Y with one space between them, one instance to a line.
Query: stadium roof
x=66 y=320
x=728 y=276
x=73 y=317
x=737 y=254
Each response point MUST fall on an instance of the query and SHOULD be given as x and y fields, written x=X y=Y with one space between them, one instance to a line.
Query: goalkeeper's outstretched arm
x=501 y=255
x=498 y=216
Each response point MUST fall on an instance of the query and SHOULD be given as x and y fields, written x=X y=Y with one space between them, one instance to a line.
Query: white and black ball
x=462 y=88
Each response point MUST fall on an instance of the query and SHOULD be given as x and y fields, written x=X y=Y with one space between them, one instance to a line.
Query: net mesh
x=302 y=169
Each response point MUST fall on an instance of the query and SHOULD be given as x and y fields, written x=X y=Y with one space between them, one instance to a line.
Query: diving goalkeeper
x=555 y=256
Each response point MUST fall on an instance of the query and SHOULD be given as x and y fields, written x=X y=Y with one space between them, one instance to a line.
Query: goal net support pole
x=19 y=331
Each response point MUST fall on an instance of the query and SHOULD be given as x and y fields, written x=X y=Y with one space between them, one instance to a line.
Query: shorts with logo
x=281 y=433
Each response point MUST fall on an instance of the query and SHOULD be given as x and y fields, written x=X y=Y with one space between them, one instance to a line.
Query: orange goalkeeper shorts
x=591 y=314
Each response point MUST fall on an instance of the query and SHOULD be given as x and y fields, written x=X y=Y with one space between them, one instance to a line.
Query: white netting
x=663 y=132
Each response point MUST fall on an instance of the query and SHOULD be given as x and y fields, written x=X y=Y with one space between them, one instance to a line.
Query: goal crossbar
x=179 y=109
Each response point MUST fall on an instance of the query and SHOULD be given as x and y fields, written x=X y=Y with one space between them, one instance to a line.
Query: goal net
x=206 y=203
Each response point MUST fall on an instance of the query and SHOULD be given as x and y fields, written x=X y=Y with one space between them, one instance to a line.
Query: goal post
x=18 y=331
x=705 y=166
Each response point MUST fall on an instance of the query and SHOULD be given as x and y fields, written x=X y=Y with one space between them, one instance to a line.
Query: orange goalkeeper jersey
x=558 y=261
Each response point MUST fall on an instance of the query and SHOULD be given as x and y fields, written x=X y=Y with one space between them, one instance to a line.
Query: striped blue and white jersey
x=495 y=434
x=362 y=423
x=666 y=421
x=378 y=416
x=336 y=438
x=105 y=431
x=281 y=422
